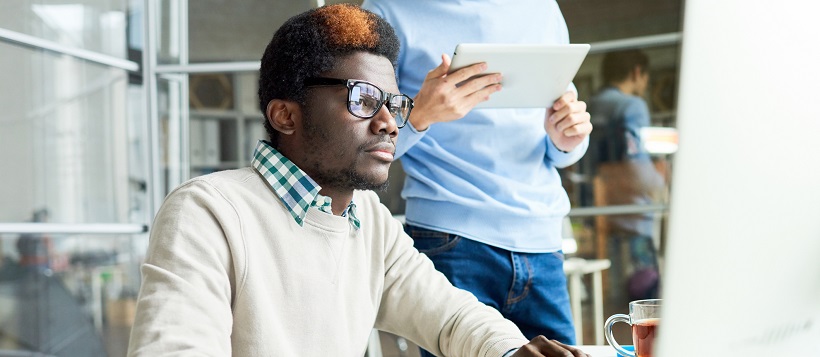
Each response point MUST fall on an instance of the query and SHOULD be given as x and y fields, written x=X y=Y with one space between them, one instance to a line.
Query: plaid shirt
x=298 y=191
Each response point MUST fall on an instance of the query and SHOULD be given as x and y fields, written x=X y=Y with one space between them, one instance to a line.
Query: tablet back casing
x=534 y=76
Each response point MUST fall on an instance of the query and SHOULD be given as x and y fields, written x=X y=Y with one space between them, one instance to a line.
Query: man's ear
x=284 y=115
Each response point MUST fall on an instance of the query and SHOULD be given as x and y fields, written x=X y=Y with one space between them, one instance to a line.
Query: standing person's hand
x=567 y=122
x=540 y=346
x=446 y=97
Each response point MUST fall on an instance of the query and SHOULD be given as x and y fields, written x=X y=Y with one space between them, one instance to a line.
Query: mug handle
x=611 y=339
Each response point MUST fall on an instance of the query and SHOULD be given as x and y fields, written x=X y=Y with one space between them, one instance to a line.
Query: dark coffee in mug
x=643 y=336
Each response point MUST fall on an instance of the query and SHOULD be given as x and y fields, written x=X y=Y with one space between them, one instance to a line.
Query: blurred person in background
x=618 y=157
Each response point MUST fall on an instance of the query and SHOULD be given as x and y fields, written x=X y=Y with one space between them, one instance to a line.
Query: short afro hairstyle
x=617 y=66
x=311 y=43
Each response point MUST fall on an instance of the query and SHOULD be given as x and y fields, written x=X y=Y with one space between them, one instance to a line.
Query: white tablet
x=534 y=76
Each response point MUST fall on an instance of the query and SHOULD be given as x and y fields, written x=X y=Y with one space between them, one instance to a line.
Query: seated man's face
x=342 y=151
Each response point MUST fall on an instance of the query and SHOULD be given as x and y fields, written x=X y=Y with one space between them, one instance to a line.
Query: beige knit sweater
x=229 y=272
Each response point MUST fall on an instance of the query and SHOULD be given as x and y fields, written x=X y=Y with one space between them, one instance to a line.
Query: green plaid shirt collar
x=298 y=191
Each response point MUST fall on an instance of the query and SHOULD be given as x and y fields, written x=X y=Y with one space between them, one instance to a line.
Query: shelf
x=223 y=139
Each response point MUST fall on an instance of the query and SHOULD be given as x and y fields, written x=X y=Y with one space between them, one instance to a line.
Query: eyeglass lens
x=366 y=99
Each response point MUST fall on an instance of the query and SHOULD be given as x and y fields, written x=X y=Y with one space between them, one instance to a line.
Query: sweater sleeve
x=420 y=304
x=187 y=278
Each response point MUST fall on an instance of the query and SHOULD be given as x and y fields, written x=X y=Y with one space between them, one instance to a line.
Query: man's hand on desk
x=541 y=346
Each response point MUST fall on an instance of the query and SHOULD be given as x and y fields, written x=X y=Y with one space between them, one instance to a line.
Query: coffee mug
x=644 y=316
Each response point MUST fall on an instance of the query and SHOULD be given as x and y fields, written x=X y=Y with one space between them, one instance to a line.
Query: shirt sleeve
x=419 y=303
x=561 y=159
x=636 y=116
x=408 y=136
x=184 y=304
x=561 y=30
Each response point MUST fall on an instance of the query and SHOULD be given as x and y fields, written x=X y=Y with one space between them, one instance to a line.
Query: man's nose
x=384 y=122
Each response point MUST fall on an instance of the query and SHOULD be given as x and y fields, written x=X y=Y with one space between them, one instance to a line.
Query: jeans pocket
x=432 y=242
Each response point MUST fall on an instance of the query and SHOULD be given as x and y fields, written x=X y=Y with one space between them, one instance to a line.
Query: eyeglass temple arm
x=323 y=81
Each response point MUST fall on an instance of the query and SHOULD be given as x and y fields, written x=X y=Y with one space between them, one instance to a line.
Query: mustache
x=381 y=139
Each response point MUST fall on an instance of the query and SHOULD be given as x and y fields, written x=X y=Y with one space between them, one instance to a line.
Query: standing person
x=292 y=257
x=484 y=198
x=619 y=159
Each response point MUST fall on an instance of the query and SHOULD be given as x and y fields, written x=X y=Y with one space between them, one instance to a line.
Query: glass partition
x=67 y=295
x=63 y=130
x=94 y=25
x=172 y=132
x=592 y=21
x=619 y=193
x=74 y=152
x=241 y=29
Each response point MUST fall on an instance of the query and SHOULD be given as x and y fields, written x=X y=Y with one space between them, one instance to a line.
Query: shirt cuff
x=510 y=352
x=557 y=148
x=561 y=159
x=408 y=136
x=413 y=128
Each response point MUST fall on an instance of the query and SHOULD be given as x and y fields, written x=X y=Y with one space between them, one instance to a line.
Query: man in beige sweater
x=294 y=256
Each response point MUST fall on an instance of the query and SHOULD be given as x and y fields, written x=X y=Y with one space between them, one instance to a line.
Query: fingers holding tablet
x=446 y=97
x=567 y=122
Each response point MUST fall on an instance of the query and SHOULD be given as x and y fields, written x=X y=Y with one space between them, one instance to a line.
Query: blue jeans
x=529 y=289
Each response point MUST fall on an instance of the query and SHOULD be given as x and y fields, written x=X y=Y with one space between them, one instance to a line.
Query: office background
x=107 y=105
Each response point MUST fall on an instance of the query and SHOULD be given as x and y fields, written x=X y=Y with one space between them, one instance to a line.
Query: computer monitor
x=742 y=265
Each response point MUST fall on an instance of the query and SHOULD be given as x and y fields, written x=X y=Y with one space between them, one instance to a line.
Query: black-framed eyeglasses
x=364 y=99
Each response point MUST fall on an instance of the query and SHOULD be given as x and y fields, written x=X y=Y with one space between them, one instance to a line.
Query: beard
x=347 y=178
